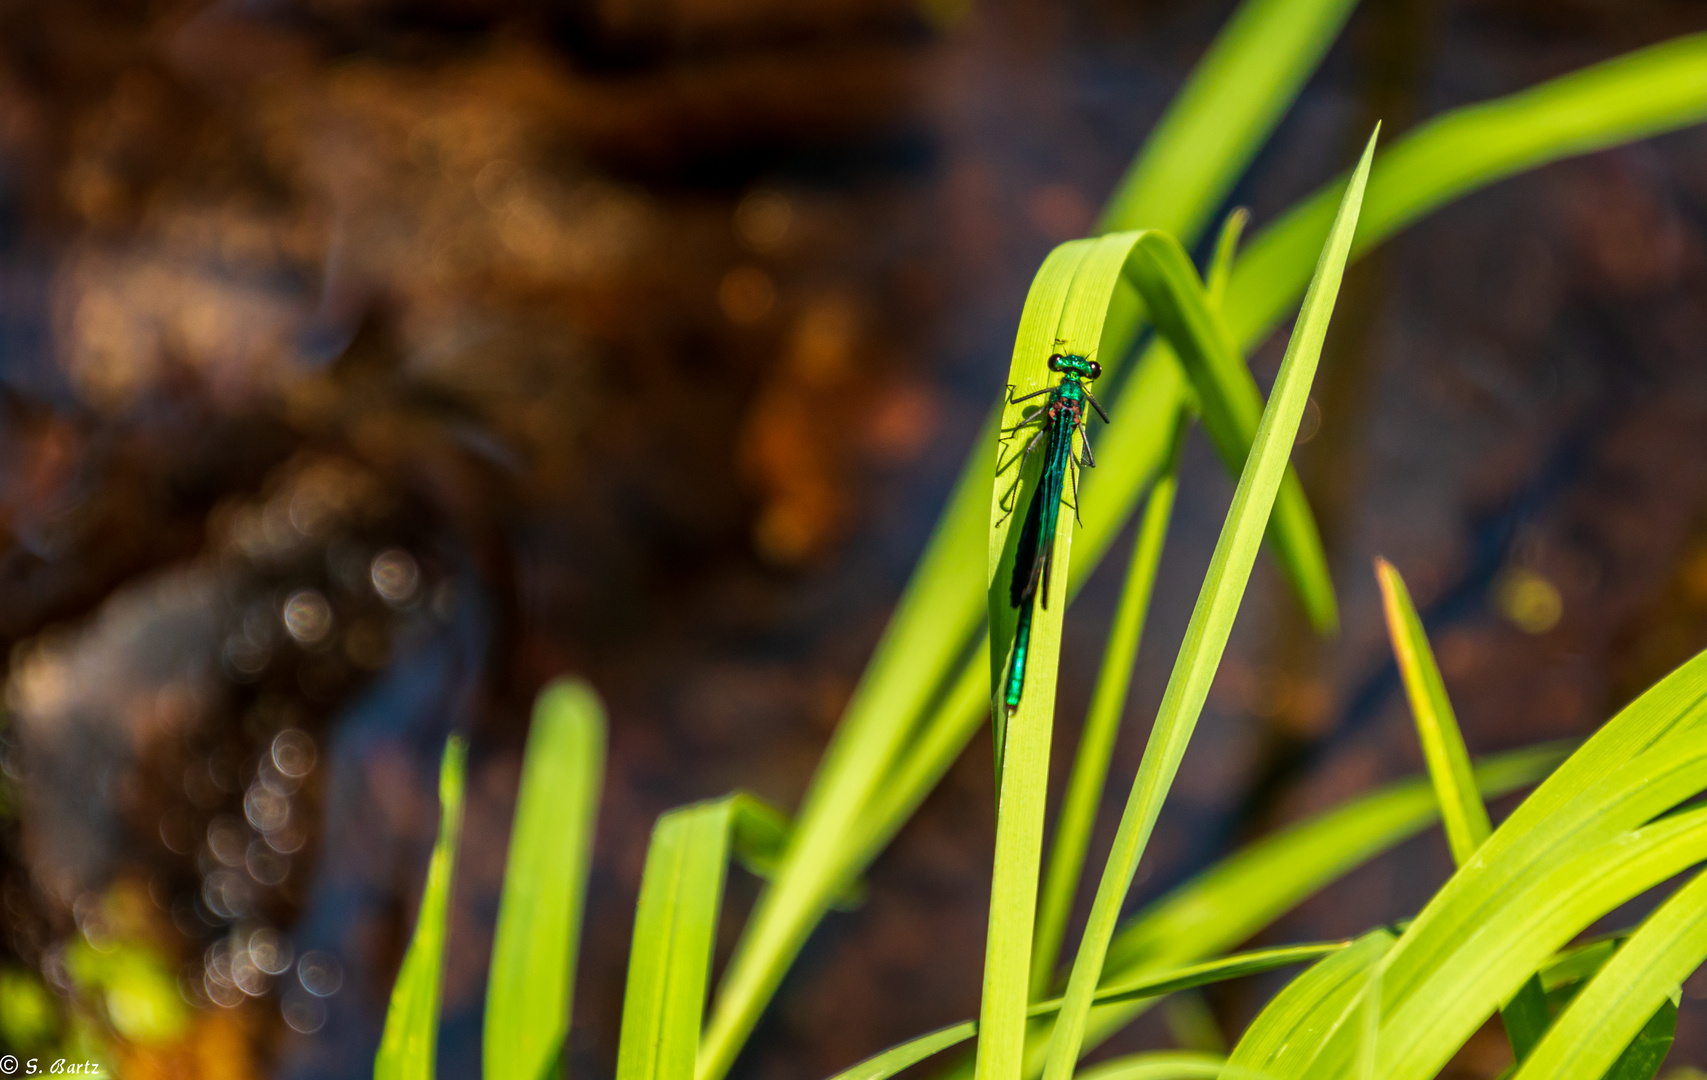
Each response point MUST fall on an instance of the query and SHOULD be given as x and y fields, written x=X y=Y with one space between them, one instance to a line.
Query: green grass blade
x=1532 y=887
x=1232 y=406
x=1224 y=113
x=1618 y=1023
x=410 y=1039
x=1526 y=1016
x=1461 y=809
x=926 y=636
x=1157 y=1065
x=539 y=914
x=887 y=1063
x=1102 y=723
x=1643 y=93
x=1203 y=974
x=1578 y=964
x=1023 y=739
x=1425 y=1026
x=883 y=1065
x=1211 y=623
x=1065 y=310
x=949 y=729
x=1248 y=890
x=1464 y=815
x=675 y=925
x=1226 y=252
x=1311 y=1027
x=1239 y=896
x=1642 y=763
x=760 y=838
x=1641 y=1060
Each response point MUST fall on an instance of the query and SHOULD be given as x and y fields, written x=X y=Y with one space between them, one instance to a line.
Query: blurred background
x=363 y=364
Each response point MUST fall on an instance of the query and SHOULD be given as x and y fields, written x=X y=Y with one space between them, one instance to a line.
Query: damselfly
x=1061 y=418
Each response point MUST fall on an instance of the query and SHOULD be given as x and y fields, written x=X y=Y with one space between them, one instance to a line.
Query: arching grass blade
x=1211 y=623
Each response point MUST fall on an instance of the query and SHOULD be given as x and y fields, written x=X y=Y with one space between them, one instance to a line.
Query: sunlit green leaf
x=1096 y=741
x=1466 y=819
x=893 y=1060
x=1312 y=1028
x=410 y=1040
x=1621 y=1022
x=1461 y=809
x=1231 y=407
x=675 y=926
x=1586 y=841
x=1157 y=1065
x=1630 y=97
x=539 y=913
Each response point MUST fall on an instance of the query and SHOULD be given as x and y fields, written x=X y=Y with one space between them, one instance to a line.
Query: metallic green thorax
x=1060 y=419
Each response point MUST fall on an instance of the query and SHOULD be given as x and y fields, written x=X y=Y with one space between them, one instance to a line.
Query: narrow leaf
x=675 y=927
x=1467 y=949
x=1526 y=1015
x=1424 y=1024
x=1232 y=406
x=539 y=913
x=1311 y=1027
x=1641 y=1060
x=1461 y=809
x=1223 y=115
x=1064 y=312
x=883 y=1065
x=675 y=924
x=1066 y=309
x=1226 y=251
x=1248 y=890
x=1626 y=1004
x=1102 y=724
x=891 y=1061
x=1203 y=974
x=1578 y=964
x=1157 y=1065
x=759 y=839
x=410 y=1040
x=1642 y=93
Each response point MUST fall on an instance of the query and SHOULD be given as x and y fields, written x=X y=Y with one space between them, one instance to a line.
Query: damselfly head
x=1070 y=364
